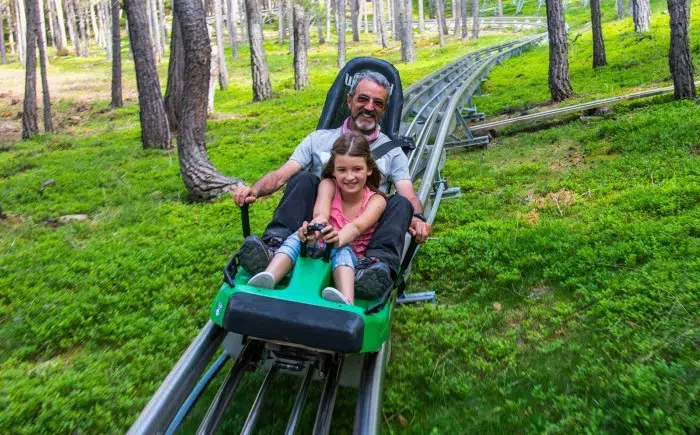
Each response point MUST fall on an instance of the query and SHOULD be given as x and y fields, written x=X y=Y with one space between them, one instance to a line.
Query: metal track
x=435 y=108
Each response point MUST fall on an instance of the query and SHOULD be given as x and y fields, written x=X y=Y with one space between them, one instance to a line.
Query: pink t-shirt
x=339 y=220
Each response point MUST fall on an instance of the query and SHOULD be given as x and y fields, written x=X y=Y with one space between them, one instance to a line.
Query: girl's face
x=350 y=173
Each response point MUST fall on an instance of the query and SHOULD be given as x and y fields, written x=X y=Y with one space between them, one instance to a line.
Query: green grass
x=578 y=314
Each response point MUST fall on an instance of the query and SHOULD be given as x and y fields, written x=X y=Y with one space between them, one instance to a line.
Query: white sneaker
x=334 y=295
x=263 y=280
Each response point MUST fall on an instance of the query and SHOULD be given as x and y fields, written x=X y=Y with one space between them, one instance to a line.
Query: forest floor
x=567 y=272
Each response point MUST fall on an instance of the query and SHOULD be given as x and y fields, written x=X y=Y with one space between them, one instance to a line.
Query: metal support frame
x=300 y=401
x=324 y=414
x=254 y=413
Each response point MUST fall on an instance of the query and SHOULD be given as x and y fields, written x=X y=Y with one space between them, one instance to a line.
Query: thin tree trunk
x=243 y=21
x=3 y=55
x=163 y=25
x=390 y=17
x=290 y=22
x=50 y=15
x=408 y=48
x=445 y=30
x=231 y=20
x=201 y=178
x=106 y=20
x=61 y=22
x=262 y=88
x=21 y=31
x=559 y=84
x=223 y=72
x=380 y=31
x=155 y=132
x=213 y=71
x=116 y=55
x=327 y=5
x=301 y=70
x=499 y=8
x=421 y=17
x=319 y=20
x=41 y=42
x=155 y=31
x=463 y=4
x=10 y=28
x=95 y=29
x=440 y=22
x=82 y=30
x=30 y=127
x=176 y=75
x=457 y=14
x=598 y=43
x=620 y=9
x=354 y=18
x=281 y=20
x=679 y=60
x=475 y=19
x=396 y=16
x=72 y=26
x=340 y=28
x=641 y=14
x=363 y=14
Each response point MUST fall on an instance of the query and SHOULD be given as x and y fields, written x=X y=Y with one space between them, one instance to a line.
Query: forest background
x=567 y=272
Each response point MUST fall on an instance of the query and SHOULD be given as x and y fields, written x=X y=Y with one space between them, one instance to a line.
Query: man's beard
x=368 y=130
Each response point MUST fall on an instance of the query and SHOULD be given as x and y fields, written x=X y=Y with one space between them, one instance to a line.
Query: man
x=367 y=101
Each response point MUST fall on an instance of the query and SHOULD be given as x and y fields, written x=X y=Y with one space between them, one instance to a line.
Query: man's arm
x=267 y=185
x=418 y=229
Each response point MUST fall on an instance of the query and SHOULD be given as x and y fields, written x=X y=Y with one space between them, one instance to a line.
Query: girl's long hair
x=354 y=144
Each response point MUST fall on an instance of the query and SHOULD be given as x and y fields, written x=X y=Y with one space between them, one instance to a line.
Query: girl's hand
x=318 y=220
x=302 y=233
x=330 y=235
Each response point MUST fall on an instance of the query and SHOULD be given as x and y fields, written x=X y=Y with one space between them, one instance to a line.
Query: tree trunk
x=155 y=132
x=363 y=14
x=3 y=55
x=301 y=70
x=201 y=178
x=106 y=20
x=641 y=14
x=354 y=18
x=463 y=4
x=223 y=72
x=431 y=9
x=61 y=22
x=30 y=127
x=445 y=30
x=340 y=28
x=51 y=36
x=41 y=28
x=421 y=17
x=95 y=29
x=41 y=42
x=327 y=5
x=281 y=20
x=679 y=59
x=598 y=43
x=408 y=48
x=457 y=14
x=380 y=30
x=620 y=9
x=319 y=21
x=21 y=31
x=475 y=19
x=242 y=21
x=262 y=88
x=82 y=30
x=559 y=84
x=10 y=28
x=72 y=26
x=231 y=21
x=163 y=25
x=440 y=6
x=290 y=22
x=390 y=17
x=499 y=8
x=116 y=55
x=155 y=31
x=176 y=75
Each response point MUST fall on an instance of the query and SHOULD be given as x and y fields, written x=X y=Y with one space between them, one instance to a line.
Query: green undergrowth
x=567 y=272
x=635 y=62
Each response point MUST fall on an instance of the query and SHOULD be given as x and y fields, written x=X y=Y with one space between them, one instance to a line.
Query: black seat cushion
x=294 y=322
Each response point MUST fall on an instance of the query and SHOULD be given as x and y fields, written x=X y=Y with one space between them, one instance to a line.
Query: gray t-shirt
x=315 y=150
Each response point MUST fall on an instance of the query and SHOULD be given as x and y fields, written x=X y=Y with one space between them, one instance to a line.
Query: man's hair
x=372 y=76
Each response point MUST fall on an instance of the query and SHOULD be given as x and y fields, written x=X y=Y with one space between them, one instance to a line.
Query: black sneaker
x=372 y=278
x=255 y=255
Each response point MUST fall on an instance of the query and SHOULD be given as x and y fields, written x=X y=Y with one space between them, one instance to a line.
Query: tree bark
x=445 y=30
x=559 y=84
x=95 y=28
x=380 y=30
x=176 y=74
x=354 y=15
x=116 y=55
x=598 y=43
x=620 y=9
x=408 y=48
x=201 y=178
x=10 y=28
x=390 y=16
x=82 y=30
x=440 y=7
x=61 y=22
x=301 y=70
x=21 y=31
x=163 y=25
x=231 y=22
x=3 y=54
x=679 y=60
x=155 y=132
x=475 y=19
x=363 y=15
x=340 y=28
x=72 y=26
x=499 y=8
x=223 y=72
x=421 y=17
x=155 y=30
x=242 y=21
x=281 y=20
x=262 y=88
x=641 y=13
x=463 y=4
x=41 y=28
x=457 y=15
x=30 y=127
x=41 y=42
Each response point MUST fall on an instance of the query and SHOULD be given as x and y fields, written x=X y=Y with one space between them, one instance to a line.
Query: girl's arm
x=324 y=199
x=373 y=211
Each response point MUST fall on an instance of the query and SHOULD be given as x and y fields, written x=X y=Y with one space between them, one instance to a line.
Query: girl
x=348 y=205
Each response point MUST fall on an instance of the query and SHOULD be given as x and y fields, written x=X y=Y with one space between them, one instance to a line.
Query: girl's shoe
x=334 y=295
x=263 y=280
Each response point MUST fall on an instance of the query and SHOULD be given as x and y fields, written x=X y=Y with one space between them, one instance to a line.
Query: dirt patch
x=563 y=197
x=532 y=218
x=539 y=291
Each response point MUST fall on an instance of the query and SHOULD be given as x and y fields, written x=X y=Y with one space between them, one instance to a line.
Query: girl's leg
x=343 y=261
x=344 y=278
x=281 y=263
x=279 y=266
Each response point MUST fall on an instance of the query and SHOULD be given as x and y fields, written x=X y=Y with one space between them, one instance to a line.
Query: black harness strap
x=404 y=143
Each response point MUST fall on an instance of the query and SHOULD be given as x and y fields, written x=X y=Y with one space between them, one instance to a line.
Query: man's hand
x=419 y=229
x=244 y=195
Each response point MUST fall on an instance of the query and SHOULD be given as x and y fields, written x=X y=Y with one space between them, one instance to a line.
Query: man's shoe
x=372 y=278
x=255 y=255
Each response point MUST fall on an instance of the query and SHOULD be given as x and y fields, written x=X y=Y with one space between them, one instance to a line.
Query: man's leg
x=295 y=207
x=386 y=246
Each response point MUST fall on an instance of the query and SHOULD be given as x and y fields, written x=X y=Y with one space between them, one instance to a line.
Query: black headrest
x=336 y=109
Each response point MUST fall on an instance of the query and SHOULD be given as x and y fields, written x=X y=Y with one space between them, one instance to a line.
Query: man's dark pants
x=297 y=206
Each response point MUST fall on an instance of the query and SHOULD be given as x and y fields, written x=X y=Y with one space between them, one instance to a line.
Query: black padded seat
x=335 y=110
x=294 y=322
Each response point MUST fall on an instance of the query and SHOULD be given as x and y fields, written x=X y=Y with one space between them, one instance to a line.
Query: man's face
x=367 y=106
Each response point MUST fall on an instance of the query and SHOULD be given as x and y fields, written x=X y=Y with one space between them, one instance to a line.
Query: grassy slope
x=92 y=315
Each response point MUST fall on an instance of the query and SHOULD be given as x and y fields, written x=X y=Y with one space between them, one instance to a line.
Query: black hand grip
x=231 y=265
x=245 y=220
x=326 y=252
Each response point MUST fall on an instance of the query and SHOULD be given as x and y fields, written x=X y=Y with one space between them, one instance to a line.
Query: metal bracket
x=412 y=298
